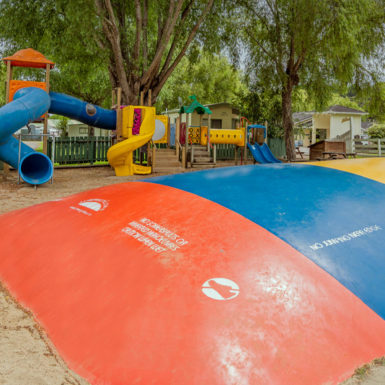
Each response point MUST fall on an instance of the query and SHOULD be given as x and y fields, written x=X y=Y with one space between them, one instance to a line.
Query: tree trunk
x=287 y=120
x=174 y=36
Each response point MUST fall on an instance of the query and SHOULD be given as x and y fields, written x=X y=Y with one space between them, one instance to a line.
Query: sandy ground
x=369 y=374
x=66 y=182
x=27 y=357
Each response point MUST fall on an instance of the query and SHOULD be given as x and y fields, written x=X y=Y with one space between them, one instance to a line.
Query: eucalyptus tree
x=308 y=43
x=138 y=43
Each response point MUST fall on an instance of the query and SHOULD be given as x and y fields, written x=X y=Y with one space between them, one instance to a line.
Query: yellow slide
x=120 y=155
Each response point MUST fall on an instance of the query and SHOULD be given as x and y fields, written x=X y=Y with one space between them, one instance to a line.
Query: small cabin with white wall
x=224 y=115
x=337 y=122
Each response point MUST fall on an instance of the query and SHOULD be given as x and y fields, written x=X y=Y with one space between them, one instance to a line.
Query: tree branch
x=139 y=23
x=144 y=29
x=185 y=13
x=169 y=26
x=111 y=32
x=163 y=76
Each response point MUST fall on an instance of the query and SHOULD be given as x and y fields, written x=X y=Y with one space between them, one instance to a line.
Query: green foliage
x=316 y=45
x=40 y=148
x=208 y=76
x=362 y=371
x=344 y=101
x=260 y=104
x=302 y=101
x=95 y=49
x=61 y=124
x=63 y=31
x=373 y=99
x=377 y=131
x=3 y=74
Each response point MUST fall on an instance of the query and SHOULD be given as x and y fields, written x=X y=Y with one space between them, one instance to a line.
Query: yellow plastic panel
x=204 y=130
x=120 y=155
x=227 y=137
x=126 y=128
x=143 y=170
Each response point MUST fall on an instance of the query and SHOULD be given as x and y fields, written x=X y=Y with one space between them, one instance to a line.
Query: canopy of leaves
x=62 y=31
x=373 y=99
x=2 y=82
x=319 y=45
x=208 y=76
x=135 y=45
x=377 y=131
x=325 y=41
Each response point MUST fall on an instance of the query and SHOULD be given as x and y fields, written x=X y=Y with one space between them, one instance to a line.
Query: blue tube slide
x=28 y=105
x=86 y=113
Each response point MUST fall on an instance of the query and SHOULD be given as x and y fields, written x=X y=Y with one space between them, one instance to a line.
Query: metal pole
x=53 y=156
x=188 y=121
x=379 y=146
x=246 y=141
x=208 y=133
x=18 y=160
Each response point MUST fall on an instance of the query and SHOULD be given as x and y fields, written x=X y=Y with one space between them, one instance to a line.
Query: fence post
x=94 y=149
x=18 y=160
x=89 y=152
x=53 y=144
x=379 y=146
x=52 y=141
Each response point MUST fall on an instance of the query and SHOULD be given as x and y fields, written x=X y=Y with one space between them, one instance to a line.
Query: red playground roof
x=29 y=58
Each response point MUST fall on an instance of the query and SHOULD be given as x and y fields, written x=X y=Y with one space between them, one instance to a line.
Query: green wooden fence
x=77 y=150
x=227 y=151
x=277 y=147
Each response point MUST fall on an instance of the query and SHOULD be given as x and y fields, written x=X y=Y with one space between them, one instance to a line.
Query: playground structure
x=204 y=135
x=28 y=101
x=251 y=136
x=138 y=127
x=22 y=108
x=286 y=287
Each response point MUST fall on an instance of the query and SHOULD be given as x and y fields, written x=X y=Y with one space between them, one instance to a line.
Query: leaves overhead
x=137 y=44
x=318 y=45
x=210 y=77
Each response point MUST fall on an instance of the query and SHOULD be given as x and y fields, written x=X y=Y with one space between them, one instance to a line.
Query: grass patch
x=100 y=163
x=362 y=371
x=379 y=361
x=40 y=148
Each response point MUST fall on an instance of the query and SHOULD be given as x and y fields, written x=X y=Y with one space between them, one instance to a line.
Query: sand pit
x=26 y=355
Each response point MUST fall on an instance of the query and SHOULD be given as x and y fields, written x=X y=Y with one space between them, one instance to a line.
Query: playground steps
x=166 y=161
x=201 y=157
